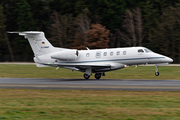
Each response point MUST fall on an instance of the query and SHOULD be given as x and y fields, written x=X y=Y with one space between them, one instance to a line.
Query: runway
x=91 y=84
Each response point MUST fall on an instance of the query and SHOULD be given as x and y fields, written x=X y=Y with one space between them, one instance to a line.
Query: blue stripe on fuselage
x=114 y=60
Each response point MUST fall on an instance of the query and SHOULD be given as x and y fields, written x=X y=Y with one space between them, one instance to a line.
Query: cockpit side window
x=140 y=51
x=147 y=50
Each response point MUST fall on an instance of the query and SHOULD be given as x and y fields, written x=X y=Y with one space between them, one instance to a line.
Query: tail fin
x=39 y=44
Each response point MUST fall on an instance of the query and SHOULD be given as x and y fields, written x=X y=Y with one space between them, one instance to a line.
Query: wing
x=95 y=66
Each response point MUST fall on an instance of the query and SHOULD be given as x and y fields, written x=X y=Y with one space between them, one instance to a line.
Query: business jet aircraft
x=88 y=61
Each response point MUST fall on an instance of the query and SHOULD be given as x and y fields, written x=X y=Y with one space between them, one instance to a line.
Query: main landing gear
x=86 y=76
x=97 y=76
x=156 y=73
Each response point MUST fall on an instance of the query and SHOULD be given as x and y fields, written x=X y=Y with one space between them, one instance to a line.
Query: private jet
x=88 y=61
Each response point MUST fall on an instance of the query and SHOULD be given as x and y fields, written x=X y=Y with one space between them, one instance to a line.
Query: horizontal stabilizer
x=26 y=32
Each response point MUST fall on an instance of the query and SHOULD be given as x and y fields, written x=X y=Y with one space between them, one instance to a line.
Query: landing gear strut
x=88 y=73
x=98 y=76
x=86 y=76
x=156 y=73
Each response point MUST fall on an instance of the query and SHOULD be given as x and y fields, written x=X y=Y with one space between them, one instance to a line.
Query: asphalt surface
x=91 y=84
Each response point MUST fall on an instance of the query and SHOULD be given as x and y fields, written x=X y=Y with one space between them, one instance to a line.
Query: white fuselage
x=113 y=57
x=128 y=56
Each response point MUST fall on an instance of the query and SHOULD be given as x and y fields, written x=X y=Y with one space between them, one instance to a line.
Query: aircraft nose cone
x=169 y=59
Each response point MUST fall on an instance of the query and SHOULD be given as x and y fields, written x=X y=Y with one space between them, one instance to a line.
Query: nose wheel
x=156 y=73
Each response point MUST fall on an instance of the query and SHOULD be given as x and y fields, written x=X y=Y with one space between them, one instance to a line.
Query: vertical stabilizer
x=39 y=44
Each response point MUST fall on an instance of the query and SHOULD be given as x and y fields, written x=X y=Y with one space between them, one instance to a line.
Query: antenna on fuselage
x=87 y=48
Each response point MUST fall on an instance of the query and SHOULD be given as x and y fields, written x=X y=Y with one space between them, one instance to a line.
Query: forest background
x=154 y=24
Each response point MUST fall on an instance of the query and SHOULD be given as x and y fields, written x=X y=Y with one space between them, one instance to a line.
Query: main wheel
x=98 y=76
x=86 y=76
x=157 y=73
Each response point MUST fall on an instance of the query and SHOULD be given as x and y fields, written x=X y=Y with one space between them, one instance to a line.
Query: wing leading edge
x=96 y=67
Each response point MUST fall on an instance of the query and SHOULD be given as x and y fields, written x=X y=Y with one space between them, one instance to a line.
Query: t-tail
x=40 y=46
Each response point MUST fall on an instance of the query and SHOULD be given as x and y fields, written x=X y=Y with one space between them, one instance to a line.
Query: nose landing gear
x=156 y=73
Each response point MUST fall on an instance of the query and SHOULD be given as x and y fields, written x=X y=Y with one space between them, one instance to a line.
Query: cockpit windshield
x=148 y=50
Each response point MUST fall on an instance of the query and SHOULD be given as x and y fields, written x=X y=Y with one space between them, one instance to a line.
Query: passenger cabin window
x=124 y=52
x=87 y=55
x=98 y=54
x=117 y=53
x=111 y=53
x=140 y=51
x=105 y=53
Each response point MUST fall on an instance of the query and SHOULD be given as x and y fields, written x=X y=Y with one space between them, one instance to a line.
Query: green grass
x=141 y=72
x=22 y=104
x=26 y=104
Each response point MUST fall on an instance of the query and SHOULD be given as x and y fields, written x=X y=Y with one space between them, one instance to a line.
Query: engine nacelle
x=65 y=55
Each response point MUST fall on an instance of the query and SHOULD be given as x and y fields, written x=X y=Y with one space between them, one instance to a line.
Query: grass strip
x=24 y=104
x=141 y=72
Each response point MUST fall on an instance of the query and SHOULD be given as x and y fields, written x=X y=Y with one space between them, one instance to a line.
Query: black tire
x=86 y=76
x=157 y=73
x=98 y=76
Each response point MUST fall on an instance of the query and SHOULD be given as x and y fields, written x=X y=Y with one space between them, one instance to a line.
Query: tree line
x=78 y=24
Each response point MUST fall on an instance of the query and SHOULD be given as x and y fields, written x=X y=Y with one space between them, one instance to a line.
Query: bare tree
x=83 y=22
x=3 y=34
x=113 y=40
x=177 y=14
x=133 y=27
x=166 y=35
x=62 y=29
x=78 y=42
x=139 y=25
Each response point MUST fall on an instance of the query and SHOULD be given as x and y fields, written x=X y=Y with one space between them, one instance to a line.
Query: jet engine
x=65 y=55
